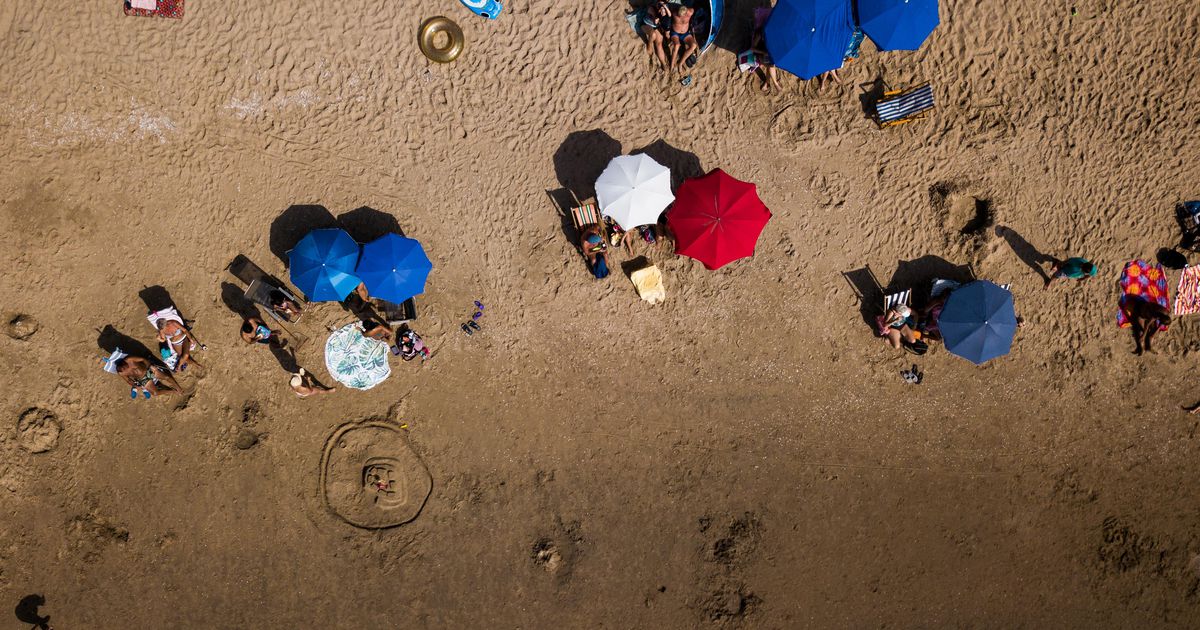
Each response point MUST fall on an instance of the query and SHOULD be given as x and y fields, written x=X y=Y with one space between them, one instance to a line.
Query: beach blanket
x=354 y=360
x=649 y=284
x=1187 y=296
x=1142 y=280
x=110 y=363
x=160 y=8
x=168 y=314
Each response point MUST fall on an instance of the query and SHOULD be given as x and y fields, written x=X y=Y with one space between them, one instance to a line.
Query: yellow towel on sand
x=649 y=284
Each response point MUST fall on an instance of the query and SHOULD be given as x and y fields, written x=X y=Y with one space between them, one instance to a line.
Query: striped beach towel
x=1187 y=296
x=1141 y=280
x=906 y=105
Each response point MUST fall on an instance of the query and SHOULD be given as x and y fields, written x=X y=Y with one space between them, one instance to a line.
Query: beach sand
x=744 y=454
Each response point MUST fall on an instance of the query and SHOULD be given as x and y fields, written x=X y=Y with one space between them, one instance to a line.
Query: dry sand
x=744 y=454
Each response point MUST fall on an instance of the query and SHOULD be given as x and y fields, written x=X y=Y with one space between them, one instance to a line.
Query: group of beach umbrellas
x=810 y=37
x=716 y=218
x=327 y=265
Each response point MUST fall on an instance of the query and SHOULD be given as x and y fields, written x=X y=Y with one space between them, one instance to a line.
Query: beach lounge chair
x=259 y=292
x=397 y=314
x=589 y=214
x=900 y=106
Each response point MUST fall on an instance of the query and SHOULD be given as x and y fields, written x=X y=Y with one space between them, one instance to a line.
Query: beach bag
x=748 y=61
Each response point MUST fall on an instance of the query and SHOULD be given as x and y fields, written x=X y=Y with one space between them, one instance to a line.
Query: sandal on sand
x=472 y=324
x=467 y=329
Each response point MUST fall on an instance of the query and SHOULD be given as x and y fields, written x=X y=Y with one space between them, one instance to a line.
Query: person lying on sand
x=679 y=36
x=283 y=306
x=145 y=377
x=1147 y=318
x=592 y=244
x=305 y=385
x=652 y=28
x=178 y=340
x=766 y=67
x=374 y=330
x=255 y=331
x=896 y=326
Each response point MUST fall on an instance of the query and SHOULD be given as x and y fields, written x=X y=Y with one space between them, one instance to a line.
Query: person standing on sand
x=1076 y=268
x=305 y=385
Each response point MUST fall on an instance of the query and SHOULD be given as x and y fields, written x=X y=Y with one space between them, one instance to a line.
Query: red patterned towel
x=1141 y=280
x=166 y=8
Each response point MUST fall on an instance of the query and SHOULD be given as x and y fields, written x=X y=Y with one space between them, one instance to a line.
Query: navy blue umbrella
x=809 y=37
x=322 y=265
x=394 y=267
x=978 y=321
x=898 y=24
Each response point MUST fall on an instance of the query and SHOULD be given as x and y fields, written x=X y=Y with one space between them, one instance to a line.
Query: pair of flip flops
x=913 y=376
x=470 y=326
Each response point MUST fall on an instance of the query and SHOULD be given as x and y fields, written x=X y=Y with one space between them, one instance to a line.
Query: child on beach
x=255 y=331
x=1076 y=268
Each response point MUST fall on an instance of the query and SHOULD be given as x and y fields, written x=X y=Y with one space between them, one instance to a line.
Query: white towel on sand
x=149 y=5
x=110 y=362
x=169 y=314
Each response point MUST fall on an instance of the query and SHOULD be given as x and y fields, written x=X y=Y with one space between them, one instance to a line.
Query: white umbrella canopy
x=633 y=190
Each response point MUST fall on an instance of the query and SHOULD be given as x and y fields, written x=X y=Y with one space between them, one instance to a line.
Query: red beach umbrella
x=716 y=219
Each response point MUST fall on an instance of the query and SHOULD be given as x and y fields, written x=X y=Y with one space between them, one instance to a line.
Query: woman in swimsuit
x=283 y=306
x=594 y=250
x=652 y=28
x=180 y=340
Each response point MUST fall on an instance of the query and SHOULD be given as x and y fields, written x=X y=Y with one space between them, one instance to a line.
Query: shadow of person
x=1028 y=254
x=286 y=358
x=683 y=164
x=110 y=339
x=366 y=224
x=871 y=93
x=580 y=160
x=292 y=224
x=235 y=300
x=27 y=612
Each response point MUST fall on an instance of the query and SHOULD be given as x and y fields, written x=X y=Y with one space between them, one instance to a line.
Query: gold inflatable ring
x=427 y=38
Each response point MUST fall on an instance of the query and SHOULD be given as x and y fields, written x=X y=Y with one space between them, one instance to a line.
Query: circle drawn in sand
x=370 y=476
x=38 y=429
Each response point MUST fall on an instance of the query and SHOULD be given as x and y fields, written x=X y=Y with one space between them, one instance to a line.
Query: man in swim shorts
x=679 y=36
x=144 y=377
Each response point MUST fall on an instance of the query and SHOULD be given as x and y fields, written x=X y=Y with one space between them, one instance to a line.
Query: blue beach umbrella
x=394 y=267
x=898 y=24
x=978 y=321
x=808 y=37
x=322 y=265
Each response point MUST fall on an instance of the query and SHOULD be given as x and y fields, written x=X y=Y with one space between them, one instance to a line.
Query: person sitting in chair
x=896 y=326
x=284 y=306
x=591 y=241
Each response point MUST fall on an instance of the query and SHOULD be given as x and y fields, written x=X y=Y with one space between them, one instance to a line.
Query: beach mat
x=1187 y=296
x=165 y=8
x=1142 y=280
x=649 y=284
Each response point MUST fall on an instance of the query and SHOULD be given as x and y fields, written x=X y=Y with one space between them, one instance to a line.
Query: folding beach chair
x=896 y=299
x=259 y=292
x=396 y=314
x=900 y=106
x=589 y=214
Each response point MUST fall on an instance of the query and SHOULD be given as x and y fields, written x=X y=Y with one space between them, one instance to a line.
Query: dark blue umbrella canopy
x=809 y=37
x=322 y=265
x=898 y=24
x=394 y=267
x=978 y=321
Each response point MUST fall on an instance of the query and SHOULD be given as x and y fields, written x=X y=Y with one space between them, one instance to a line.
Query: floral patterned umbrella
x=354 y=360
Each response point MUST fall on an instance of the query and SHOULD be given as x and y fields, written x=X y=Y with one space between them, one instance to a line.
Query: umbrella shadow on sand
x=365 y=224
x=581 y=158
x=917 y=274
x=737 y=26
x=683 y=164
x=298 y=220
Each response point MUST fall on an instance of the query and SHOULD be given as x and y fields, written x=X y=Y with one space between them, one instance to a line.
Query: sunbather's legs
x=893 y=338
x=185 y=354
x=164 y=377
x=654 y=45
x=673 y=46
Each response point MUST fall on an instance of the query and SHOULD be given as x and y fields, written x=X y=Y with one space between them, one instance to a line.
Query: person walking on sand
x=305 y=385
x=1075 y=268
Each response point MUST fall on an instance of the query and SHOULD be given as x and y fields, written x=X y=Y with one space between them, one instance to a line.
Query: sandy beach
x=744 y=454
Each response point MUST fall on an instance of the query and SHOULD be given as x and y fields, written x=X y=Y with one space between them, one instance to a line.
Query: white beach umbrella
x=633 y=190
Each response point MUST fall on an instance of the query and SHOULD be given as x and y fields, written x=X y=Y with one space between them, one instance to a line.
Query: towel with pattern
x=1187 y=296
x=1141 y=280
x=354 y=360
